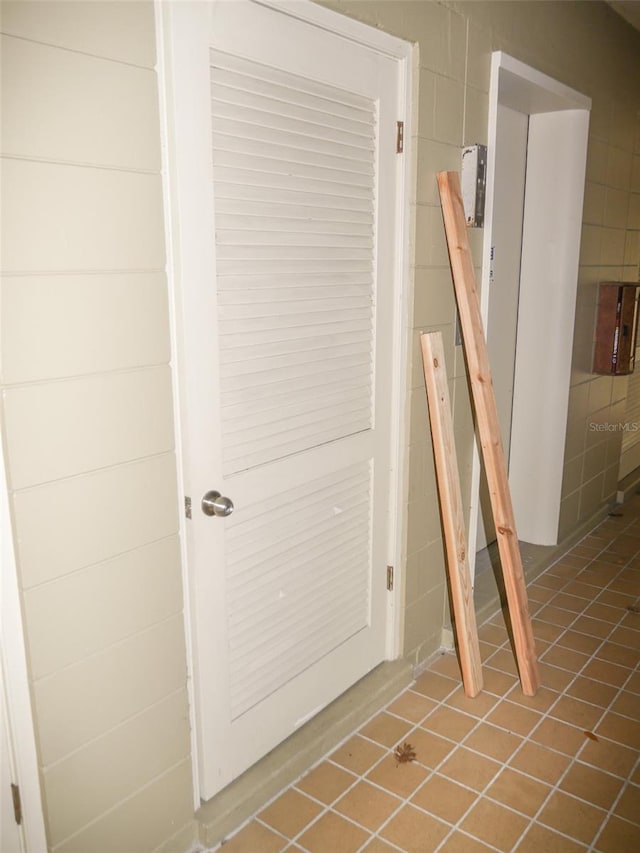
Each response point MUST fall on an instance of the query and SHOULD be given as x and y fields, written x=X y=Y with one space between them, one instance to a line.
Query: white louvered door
x=286 y=176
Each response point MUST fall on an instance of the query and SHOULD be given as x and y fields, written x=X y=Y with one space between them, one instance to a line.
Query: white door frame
x=14 y=682
x=554 y=194
x=404 y=52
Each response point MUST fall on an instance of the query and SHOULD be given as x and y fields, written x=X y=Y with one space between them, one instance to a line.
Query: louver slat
x=305 y=593
x=295 y=195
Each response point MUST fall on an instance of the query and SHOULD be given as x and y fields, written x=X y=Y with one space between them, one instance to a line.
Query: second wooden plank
x=452 y=514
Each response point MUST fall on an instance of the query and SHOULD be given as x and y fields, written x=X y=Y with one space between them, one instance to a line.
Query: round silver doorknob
x=214 y=504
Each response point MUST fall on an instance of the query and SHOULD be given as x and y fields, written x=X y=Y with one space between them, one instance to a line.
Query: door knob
x=213 y=503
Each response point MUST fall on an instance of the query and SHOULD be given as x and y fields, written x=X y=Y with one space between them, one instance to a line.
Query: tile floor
x=557 y=772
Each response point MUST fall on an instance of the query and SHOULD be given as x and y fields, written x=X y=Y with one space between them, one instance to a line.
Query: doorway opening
x=537 y=149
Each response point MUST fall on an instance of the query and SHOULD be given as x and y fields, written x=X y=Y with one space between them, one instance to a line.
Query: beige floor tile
x=514 y=718
x=628 y=806
x=494 y=634
x=358 y=754
x=447 y=664
x=332 y=833
x=504 y=660
x=592 y=627
x=255 y=837
x=414 y=831
x=459 y=842
x=633 y=684
x=399 y=779
x=493 y=742
x=620 y=655
x=609 y=673
x=543 y=630
x=579 y=642
x=576 y=713
x=625 y=637
x=556 y=616
x=290 y=813
x=555 y=678
x=518 y=791
x=430 y=748
x=486 y=650
x=386 y=729
x=603 y=611
x=592 y=691
x=494 y=824
x=566 y=601
x=621 y=729
x=566 y=814
x=539 y=839
x=449 y=723
x=325 y=782
x=618 y=836
x=536 y=760
x=615 y=599
x=471 y=769
x=367 y=805
x=565 y=658
x=496 y=682
x=550 y=582
x=434 y=686
x=411 y=706
x=609 y=756
x=559 y=735
x=542 y=701
x=377 y=845
x=563 y=569
x=627 y=704
x=443 y=798
x=477 y=707
x=542 y=594
x=592 y=785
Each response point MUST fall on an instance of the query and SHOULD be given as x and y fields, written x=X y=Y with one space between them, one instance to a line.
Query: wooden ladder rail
x=464 y=281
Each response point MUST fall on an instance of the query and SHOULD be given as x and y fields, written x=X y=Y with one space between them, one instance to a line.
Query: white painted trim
x=16 y=684
x=162 y=12
x=349 y=28
x=555 y=210
x=556 y=166
x=400 y=370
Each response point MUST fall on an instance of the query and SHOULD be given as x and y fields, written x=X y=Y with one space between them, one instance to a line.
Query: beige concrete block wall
x=88 y=423
x=588 y=47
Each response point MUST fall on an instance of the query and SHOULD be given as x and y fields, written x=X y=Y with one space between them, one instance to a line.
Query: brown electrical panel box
x=616 y=326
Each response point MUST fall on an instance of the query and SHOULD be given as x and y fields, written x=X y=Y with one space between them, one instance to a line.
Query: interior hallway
x=557 y=772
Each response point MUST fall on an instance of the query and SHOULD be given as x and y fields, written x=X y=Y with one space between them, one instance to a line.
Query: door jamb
x=521 y=87
x=14 y=682
x=405 y=53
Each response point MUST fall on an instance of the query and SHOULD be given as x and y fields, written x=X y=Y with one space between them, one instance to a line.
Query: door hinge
x=17 y=804
x=187 y=506
x=400 y=137
x=389 y=578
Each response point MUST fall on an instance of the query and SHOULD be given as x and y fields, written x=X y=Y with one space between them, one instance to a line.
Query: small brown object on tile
x=404 y=753
x=591 y=735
